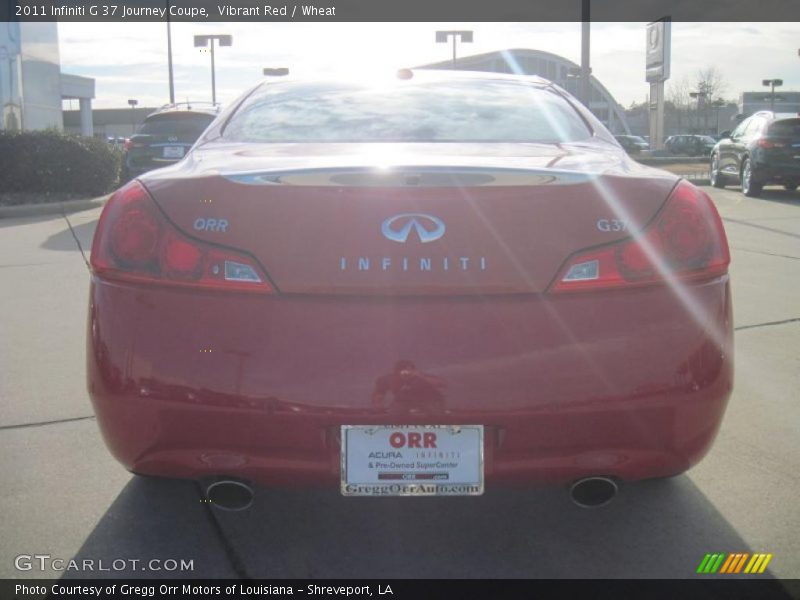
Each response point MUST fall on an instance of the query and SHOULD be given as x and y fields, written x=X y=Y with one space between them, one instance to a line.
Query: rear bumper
x=769 y=172
x=191 y=385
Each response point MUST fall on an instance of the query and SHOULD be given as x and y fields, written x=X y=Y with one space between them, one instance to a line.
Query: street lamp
x=275 y=71
x=132 y=103
x=201 y=41
x=169 y=58
x=772 y=84
x=443 y=36
x=585 y=86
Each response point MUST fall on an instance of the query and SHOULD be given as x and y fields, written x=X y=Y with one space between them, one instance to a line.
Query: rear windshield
x=785 y=128
x=450 y=111
x=189 y=124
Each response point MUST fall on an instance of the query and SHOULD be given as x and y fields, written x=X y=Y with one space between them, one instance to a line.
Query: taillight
x=686 y=240
x=134 y=241
x=768 y=143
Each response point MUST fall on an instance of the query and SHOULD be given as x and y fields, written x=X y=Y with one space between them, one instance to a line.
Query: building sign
x=658 y=50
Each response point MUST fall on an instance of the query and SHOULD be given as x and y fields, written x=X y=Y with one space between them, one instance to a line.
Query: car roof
x=416 y=74
x=786 y=116
x=775 y=115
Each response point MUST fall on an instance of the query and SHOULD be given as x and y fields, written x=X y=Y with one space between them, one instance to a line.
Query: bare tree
x=678 y=91
x=708 y=85
x=678 y=95
x=711 y=85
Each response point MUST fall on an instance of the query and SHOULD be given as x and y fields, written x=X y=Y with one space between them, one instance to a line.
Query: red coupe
x=413 y=286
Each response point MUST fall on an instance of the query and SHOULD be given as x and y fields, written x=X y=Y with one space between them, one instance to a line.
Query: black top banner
x=398 y=10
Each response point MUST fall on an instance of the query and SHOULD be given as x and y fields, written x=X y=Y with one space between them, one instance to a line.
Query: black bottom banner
x=402 y=589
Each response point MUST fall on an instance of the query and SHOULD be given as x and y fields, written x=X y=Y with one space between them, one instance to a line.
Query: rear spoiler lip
x=411 y=175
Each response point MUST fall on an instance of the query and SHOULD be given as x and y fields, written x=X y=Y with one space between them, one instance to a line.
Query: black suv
x=164 y=137
x=632 y=144
x=764 y=149
x=690 y=144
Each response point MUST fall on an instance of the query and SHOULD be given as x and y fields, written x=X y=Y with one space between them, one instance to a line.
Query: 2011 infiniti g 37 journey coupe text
x=412 y=286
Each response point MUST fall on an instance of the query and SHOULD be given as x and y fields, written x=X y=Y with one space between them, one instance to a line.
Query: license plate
x=173 y=151
x=412 y=460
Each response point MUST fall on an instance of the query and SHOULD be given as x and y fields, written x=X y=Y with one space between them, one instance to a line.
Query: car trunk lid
x=424 y=223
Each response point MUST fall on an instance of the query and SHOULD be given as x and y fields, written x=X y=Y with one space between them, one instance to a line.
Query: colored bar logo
x=737 y=562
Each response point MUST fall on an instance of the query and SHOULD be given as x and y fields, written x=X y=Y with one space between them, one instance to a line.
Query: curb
x=52 y=208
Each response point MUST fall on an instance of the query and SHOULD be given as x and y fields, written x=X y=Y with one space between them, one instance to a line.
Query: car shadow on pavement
x=778 y=195
x=652 y=529
x=155 y=519
x=65 y=240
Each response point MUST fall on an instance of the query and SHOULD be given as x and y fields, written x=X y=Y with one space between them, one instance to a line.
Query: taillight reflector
x=768 y=143
x=685 y=240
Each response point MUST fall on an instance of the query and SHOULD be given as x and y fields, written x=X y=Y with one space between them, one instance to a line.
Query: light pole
x=132 y=103
x=169 y=58
x=201 y=41
x=772 y=84
x=275 y=71
x=586 y=93
x=443 y=36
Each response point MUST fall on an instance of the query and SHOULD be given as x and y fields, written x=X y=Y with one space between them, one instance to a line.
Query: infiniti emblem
x=398 y=227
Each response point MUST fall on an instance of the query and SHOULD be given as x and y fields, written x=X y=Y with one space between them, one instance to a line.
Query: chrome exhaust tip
x=592 y=492
x=230 y=494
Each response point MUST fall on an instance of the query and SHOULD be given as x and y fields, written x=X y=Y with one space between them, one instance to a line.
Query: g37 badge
x=612 y=225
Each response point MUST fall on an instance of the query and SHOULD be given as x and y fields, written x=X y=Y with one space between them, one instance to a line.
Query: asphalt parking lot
x=64 y=496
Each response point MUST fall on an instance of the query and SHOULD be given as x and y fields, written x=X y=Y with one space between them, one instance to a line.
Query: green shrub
x=51 y=161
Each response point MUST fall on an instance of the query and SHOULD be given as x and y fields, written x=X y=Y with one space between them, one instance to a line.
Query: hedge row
x=51 y=161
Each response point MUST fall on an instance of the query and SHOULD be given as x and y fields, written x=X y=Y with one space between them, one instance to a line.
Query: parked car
x=411 y=286
x=690 y=145
x=633 y=144
x=165 y=136
x=117 y=143
x=763 y=149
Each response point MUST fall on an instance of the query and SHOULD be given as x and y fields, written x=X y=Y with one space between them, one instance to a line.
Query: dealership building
x=783 y=102
x=32 y=86
x=557 y=69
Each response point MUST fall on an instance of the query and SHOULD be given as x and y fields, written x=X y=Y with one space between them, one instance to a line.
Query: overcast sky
x=128 y=60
